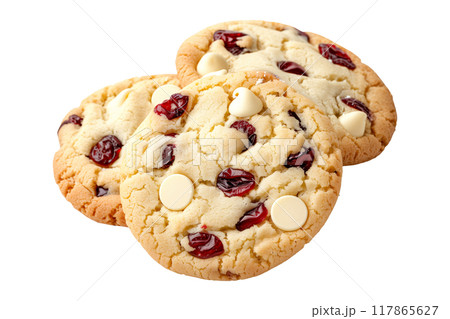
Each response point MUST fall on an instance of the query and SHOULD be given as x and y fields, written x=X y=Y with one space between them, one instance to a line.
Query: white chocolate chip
x=116 y=107
x=245 y=103
x=211 y=62
x=176 y=192
x=289 y=213
x=220 y=72
x=354 y=122
x=117 y=102
x=163 y=93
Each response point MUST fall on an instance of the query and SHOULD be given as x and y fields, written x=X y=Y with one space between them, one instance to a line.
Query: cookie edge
x=354 y=150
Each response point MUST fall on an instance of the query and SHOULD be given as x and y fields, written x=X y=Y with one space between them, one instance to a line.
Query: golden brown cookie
x=359 y=105
x=231 y=178
x=86 y=167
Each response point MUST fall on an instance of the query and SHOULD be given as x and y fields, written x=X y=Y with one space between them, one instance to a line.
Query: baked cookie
x=356 y=100
x=231 y=179
x=86 y=167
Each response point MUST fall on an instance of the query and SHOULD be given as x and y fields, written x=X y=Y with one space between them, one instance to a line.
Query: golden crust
x=380 y=102
x=76 y=175
x=255 y=250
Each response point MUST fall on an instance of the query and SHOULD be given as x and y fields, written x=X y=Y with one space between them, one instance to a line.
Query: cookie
x=86 y=167
x=232 y=179
x=359 y=105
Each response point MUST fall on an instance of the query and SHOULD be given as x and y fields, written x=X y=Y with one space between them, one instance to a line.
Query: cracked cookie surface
x=325 y=73
x=86 y=167
x=225 y=175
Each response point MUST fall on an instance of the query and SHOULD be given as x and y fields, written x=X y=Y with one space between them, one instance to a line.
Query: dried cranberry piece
x=235 y=182
x=295 y=116
x=229 y=39
x=291 y=67
x=73 y=119
x=173 y=107
x=247 y=128
x=168 y=155
x=302 y=34
x=172 y=134
x=101 y=191
x=303 y=159
x=336 y=55
x=106 y=151
x=205 y=245
x=252 y=217
x=358 y=105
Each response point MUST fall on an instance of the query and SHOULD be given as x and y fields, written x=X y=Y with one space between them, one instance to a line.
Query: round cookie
x=331 y=76
x=86 y=167
x=221 y=196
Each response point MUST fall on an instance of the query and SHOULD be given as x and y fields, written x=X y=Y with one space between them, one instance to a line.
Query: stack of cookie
x=230 y=167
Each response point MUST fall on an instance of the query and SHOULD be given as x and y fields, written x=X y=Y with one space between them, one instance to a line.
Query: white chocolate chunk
x=220 y=72
x=245 y=103
x=163 y=93
x=211 y=62
x=176 y=192
x=289 y=213
x=115 y=104
x=354 y=122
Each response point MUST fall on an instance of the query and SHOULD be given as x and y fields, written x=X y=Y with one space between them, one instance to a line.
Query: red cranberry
x=336 y=55
x=106 y=151
x=302 y=34
x=205 y=245
x=229 y=39
x=172 y=134
x=168 y=155
x=252 y=217
x=302 y=159
x=235 y=182
x=295 y=116
x=358 y=105
x=101 y=191
x=291 y=67
x=173 y=107
x=73 y=119
x=247 y=128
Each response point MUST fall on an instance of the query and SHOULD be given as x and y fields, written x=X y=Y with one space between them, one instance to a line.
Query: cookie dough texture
x=163 y=232
x=326 y=83
x=118 y=110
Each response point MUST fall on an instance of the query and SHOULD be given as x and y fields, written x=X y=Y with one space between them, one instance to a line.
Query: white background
x=386 y=242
